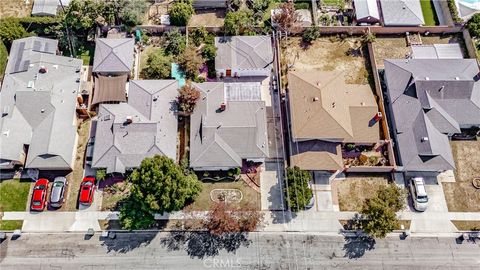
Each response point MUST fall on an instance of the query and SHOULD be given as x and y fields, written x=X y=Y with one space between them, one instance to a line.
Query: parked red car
x=87 y=189
x=39 y=195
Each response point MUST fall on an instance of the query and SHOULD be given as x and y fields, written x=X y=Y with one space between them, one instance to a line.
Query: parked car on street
x=39 y=195
x=57 y=194
x=87 y=189
x=419 y=194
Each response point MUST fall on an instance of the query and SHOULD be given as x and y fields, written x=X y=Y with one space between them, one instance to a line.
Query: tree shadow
x=204 y=244
x=126 y=242
x=355 y=247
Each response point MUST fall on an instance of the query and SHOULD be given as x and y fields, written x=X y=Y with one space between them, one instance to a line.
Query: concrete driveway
x=271 y=186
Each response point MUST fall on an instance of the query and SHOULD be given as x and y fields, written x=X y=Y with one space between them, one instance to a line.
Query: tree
x=311 y=34
x=368 y=37
x=238 y=22
x=158 y=66
x=174 y=42
x=223 y=218
x=379 y=213
x=259 y=5
x=473 y=25
x=82 y=15
x=10 y=30
x=180 y=13
x=101 y=174
x=190 y=62
x=298 y=192
x=286 y=18
x=209 y=51
x=159 y=185
x=187 y=98
x=132 y=11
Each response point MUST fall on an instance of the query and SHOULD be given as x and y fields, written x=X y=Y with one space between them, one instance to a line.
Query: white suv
x=419 y=194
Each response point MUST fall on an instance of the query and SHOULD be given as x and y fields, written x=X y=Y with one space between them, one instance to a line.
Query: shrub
x=158 y=66
x=187 y=98
x=311 y=34
x=473 y=25
x=174 y=42
x=298 y=192
x=453 y=10
x=180 y=13
x=238 y=22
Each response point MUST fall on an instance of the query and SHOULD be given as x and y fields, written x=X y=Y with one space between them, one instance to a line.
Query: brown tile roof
x=323 y=106
x=313 y=159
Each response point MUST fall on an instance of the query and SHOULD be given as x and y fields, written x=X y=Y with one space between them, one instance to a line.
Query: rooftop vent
x=315 y=99
x=424 y=139
x=378 y=116
x=55 y=66
x=106 y=117
x=30 y=84
x=427 y=78
x=441 y=88
x=42 y=110
x=6 y=133
x=223 y=107
x=42 y=70
x=457 y=78
x=5 y=111
x=333 y=104
x=129 y=119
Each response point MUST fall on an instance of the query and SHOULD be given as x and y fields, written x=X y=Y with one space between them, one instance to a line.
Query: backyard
x=249 y=197
x=353 y=191
x=429 y=14
x=14 y=195
x=208 y=18
x=460 y=195
x=15 y=8
x=329 y=54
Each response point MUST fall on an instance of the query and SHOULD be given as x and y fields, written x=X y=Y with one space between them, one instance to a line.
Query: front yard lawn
x=14 y=195
x=429 y=14
x=353 y=191
x=467 y=225
x=113 y=195
x=461 y=196
x=204 y=201
x=11 y=225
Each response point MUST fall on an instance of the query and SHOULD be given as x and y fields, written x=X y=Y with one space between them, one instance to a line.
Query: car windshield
x=422 y=199
x=87 y=183
x=58 y=184
x=36 y=202
x=41 y=187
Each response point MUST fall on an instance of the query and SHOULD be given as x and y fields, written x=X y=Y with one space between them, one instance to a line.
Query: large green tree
x=132 y=11
x=174 y=42
x=379 y=213
x=82 y=15
x=297 y=190
x=159 y=185
x=180 y=13
x=158 y=66
x=239 y=22
x=11 y=29
x=473 y=25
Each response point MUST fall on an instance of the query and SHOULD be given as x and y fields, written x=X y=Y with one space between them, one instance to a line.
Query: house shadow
x=125 y=242
x=204 y=244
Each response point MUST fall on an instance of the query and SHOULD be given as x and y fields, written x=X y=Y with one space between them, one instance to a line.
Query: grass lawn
x=332 y=3
x=460 y=195
x=14 y=195
x=467 y=225
x=75 y=177
x=11 y=225
x=3 y=59
x=203 y=201
x=429 y=13
x=353 y=191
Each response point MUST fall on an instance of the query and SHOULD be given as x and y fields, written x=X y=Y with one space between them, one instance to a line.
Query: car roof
x=37 y=194
x=60 y=179
x=84 y=193
x=56 y=193
x=420 y=186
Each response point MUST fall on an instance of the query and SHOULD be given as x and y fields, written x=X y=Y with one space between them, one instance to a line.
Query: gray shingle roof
x=113 y=55
x=151 y=104
x=39 y=109
x=437 y=51
x=223 y=139
x=366 y=8
x=430 y=98
x=243 y=52
x=402 y=12
x=45 y=7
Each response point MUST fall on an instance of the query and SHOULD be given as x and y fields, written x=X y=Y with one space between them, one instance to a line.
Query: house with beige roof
x=326 y=113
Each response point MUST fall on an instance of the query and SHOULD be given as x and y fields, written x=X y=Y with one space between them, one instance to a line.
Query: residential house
x=112 y=66
x=38 y=101
x=402 y=12
x=467 y=8
x=429 y=100
x=366 y=11
x=239 y=56
x=228 y=126
x=145 y=126
x=48 y=7
x=437 y=51
x=327 y=113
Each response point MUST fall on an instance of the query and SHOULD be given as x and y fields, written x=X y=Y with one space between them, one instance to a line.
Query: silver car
x=419 y=194
x=58 y=191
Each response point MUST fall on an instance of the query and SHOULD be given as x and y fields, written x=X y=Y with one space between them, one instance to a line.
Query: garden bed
x=353 y=191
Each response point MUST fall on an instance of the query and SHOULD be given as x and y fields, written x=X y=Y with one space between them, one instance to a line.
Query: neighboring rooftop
x=437 y=51
x=151 y=108
x=38 y=101
x=113 y=55
x=223 y=138
x=441 y=96
x=243 y=52
x=47 y=7
x=402 y=12
x=366 y=9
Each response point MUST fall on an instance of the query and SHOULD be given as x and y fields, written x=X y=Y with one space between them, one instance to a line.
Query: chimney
x=378 y=116
x=42 y=70
x=129 y=119
x=424 y=139
x=223 y=106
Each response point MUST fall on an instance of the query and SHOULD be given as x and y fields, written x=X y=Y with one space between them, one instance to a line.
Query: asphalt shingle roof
x=113 y=55
x=243 y=52
x=402 y=12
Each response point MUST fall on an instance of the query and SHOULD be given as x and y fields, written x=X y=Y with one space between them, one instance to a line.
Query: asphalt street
x=256 y=251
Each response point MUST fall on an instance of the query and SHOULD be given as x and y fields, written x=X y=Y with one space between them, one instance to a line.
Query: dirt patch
x=15 y=8
x=113 y=195
x=152 y=16
x=353 y=191
x=213 y=17
x=461 y=196
x=329 y=54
